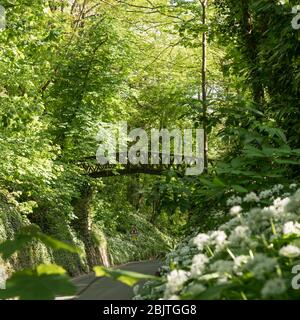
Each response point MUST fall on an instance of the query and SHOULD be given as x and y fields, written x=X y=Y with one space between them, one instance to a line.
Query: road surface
x=90 y=288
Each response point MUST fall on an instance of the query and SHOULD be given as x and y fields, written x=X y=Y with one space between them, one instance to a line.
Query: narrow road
x=90 y=288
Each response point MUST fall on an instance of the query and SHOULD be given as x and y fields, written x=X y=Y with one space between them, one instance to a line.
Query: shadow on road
x=90 y=288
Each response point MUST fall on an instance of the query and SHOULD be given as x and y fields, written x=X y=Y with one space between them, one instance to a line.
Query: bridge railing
x=152 y=163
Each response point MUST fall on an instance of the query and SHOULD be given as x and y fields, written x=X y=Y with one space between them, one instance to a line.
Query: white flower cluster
x=235 y=210
x=201 y=241
x=175 y=281
x=253 y=252
x=291 y=227
x=215 y=238
x=252 y=197
x=234 y=200
x=290 y=251
x=198 y=265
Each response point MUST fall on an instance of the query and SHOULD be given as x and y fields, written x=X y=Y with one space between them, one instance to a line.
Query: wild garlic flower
x=198 y=265
x=218 y=238
x=201 y=240
x=234 y=200
x=239 y=261
x=280 y=204
x=291 y=227
x=175 y=281
x=265 y=194
x=277 y=188
x=236 y=249
x=251 y=197
x=234 y=211
x=238 y=234
x=290 y=251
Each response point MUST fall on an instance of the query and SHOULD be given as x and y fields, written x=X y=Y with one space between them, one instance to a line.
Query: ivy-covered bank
x=113 y=250
x=254 y=255
x=150 y=243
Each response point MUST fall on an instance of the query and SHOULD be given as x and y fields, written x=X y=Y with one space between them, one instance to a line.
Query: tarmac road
x=90 y=288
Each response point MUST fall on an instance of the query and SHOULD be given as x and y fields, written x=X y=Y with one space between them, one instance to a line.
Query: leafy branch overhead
x=45 y=282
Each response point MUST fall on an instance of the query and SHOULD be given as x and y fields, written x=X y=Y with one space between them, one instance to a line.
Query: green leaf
x=284 y=161
x=100 y=271
x=9 y=247
x=239 y=188
x=29 y=233
x=253 y=152
x=57 y=244
x=217 y=182
x=214 y=292
x=43 y=283
x=207 y=182
x=50 y=269
x=129 y=278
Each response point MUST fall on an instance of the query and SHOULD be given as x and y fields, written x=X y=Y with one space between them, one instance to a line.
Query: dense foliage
x=66 y=66
x=249 y=257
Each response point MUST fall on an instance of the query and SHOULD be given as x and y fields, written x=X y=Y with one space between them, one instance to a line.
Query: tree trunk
x=251 y=53
x=203 y=85
x=83 y=226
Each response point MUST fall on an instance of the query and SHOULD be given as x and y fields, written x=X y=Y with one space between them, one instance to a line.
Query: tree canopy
x=230 y=67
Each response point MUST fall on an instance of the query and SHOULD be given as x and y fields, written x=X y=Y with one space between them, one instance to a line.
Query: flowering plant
x=251 y=256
